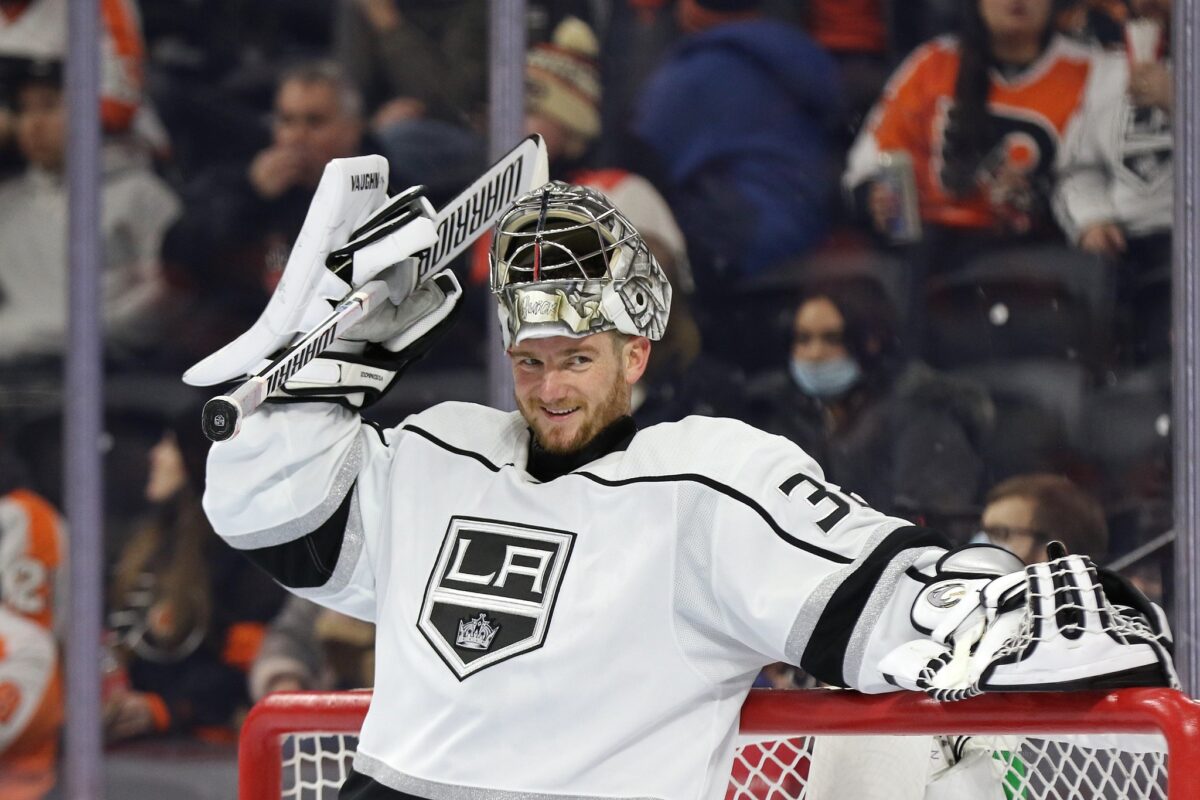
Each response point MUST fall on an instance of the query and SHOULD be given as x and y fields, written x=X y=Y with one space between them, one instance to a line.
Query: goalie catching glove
x=995 y=625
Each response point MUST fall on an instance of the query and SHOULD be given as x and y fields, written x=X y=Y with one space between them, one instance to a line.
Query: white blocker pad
x=350 y=191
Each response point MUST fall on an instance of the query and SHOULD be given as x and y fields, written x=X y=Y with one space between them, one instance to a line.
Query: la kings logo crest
x=492 y=591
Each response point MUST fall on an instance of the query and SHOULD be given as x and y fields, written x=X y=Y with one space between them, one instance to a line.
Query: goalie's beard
x=594 y=418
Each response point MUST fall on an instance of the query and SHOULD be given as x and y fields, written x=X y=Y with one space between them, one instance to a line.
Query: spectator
x=907 y=437
x=231 y=247
x=422 y=68
x=186 y=610
x=1114 y=195
x=980 y=115
x=309 y=647
x=137 y=207
x=37 y=30
x=735 y=124
x=563 y=98
x=1026 y=512
x=32 y=558
x=413 y=59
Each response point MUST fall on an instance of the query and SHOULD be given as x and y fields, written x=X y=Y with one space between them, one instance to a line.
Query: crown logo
x=476 y=634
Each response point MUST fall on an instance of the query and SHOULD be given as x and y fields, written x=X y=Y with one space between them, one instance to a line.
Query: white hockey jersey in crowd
x=593 y=635
x=1117 y=162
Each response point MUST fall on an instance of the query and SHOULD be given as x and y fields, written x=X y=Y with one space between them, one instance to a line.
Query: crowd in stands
x=928 y=241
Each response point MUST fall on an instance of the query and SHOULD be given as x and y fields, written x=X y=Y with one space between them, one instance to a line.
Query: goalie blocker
x=354 y=236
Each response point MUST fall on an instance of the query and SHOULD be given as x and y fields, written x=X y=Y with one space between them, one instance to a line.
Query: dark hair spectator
x=904 y=436
x=138 y=208
x=187 y=612
x=979 y=117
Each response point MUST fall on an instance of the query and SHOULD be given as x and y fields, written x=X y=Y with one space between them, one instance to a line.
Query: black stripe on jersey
x=361 y=787
x=307 y=562
x=728 y=491
x=450 y=447
x=826 y=651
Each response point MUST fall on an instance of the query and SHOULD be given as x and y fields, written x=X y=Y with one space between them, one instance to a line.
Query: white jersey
x=593 y=635
x=1117 y=160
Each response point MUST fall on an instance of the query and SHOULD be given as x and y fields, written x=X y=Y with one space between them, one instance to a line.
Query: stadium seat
x=1129 y=420
x=1038 y=412
x=1035 y=302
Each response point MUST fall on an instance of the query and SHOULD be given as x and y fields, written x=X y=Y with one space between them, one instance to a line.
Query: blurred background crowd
x=929 y=241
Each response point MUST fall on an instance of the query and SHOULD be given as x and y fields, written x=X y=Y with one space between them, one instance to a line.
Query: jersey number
x=22 y=586
x=821 y=492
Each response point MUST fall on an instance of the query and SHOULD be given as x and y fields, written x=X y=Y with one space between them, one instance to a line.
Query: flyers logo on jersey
x=492 y=591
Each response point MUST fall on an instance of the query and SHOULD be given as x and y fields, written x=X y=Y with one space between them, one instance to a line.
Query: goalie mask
x=565 y=262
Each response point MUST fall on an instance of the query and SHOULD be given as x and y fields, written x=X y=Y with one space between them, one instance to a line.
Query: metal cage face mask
x=565 y=262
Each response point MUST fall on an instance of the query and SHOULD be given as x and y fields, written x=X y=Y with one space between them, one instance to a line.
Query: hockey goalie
x=568 y=606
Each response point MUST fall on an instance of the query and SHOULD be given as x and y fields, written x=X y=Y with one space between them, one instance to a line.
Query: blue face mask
x=825 y=379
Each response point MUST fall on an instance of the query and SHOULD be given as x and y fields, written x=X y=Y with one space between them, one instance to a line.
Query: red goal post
x=313 y=732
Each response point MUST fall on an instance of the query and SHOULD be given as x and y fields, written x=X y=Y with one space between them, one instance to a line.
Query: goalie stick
x=460 y=223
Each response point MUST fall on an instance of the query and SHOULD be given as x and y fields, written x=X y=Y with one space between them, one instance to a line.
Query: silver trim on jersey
x=814 y=606
x=352 y=544
x=302 y=526
x=885 y=588
x=434 y=790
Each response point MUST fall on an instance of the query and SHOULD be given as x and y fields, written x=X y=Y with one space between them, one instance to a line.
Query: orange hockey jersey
x=1030 y=112
x=31 y=702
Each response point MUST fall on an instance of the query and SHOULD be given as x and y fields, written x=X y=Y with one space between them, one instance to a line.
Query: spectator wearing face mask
x=906 y=437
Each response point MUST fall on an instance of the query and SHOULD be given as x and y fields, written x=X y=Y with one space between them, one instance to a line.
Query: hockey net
x=823 y=744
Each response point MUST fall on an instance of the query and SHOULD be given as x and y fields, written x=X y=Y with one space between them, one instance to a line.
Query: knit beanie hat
x=562 y=78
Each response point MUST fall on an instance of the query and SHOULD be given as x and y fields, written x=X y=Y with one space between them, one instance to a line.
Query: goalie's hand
x=1061 y=624
x=362 y=365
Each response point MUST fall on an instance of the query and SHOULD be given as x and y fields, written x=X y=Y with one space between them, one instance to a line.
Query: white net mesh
x=969 y=768
x=315 y=765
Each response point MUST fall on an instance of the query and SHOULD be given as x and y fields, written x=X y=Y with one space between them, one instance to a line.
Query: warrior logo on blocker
x=492 y=591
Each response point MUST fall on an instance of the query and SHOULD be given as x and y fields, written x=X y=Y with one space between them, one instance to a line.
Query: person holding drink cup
x=979 y=116
x=1113 y=196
